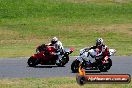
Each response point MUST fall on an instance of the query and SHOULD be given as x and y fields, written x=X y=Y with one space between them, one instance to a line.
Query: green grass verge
x=24 y=24
x=64 y=82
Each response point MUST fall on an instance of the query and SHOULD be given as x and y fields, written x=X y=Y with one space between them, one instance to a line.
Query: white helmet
x=99 y=41
x=54 y=40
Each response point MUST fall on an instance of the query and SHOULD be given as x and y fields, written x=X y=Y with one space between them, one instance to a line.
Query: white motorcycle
x=93 y=60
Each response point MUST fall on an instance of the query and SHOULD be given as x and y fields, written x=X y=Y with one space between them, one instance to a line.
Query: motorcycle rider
x=58 y=46
x=100 y=48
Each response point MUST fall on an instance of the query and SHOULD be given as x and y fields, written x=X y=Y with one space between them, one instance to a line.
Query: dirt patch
x=122 y=28
x=9 y=82
x=5 y=31
x=122 y=1
x=84 y=1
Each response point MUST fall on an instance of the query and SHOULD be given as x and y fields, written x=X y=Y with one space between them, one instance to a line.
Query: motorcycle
x=46 y=56
x=92 y=60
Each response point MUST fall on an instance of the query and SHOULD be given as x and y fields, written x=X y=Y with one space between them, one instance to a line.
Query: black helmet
x=99 y=41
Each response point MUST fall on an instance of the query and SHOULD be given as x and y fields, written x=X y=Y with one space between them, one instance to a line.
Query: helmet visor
x=98 y=43
x=53 y=42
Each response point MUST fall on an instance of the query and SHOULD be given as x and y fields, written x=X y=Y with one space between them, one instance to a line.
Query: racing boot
x=59 y=59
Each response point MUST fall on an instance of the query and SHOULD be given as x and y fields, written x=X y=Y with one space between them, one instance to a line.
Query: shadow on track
x=46 y=66
x=92 y=71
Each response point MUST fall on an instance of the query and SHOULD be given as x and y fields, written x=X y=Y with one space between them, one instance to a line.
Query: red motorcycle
x=46 y=56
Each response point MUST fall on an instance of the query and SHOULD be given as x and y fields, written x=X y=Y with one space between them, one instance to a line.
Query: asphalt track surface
x=18 y=68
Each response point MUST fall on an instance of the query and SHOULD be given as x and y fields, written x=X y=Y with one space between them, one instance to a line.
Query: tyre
x=61 y=64
x=75 y=66
x=63 y=61
x=106 y=66
x=31 y=62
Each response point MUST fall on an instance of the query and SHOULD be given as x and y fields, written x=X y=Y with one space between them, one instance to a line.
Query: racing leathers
x=59 y=49
x=102 y=51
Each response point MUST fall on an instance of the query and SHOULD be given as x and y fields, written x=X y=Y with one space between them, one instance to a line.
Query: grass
x=24 y=24
x=65 y=82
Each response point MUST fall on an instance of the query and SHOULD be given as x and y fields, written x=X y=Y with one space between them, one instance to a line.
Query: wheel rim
x=75 y=67
x=105 y=67
x=30 y=62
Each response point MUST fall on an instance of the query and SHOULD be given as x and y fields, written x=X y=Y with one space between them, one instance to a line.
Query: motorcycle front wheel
x=105 y=67
x=31 y=62
x=75 y=66
x=63 y=61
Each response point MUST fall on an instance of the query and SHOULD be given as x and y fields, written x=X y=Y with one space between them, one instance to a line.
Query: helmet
x=54 y=40
x=99 y=42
